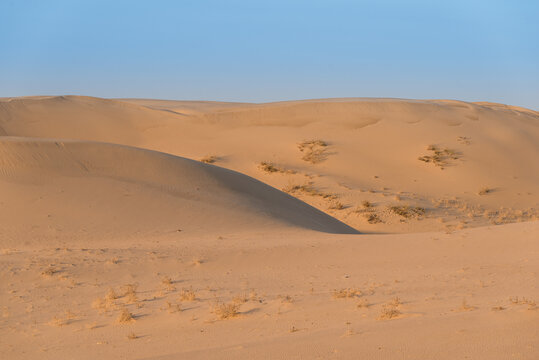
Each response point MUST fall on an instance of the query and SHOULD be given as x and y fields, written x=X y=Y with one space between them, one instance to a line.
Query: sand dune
x=143 y=191
x=372 y=153
x=156 y=229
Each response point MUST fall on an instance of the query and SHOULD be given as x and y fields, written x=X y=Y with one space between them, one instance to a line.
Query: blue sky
x=272 y=50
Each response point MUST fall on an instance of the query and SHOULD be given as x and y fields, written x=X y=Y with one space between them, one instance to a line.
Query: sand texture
x=318 y=229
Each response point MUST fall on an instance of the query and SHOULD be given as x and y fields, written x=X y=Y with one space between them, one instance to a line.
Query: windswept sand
x=414 y=236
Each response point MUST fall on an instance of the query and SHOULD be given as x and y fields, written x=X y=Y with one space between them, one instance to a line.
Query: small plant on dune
x=346 y=293
x=125 y=316
x=130 y=293
x=363 y=303
x=367 y=204
x=172 y=308
x=167 y=284
x=391 y=309
x=210 y=159
x=286 y=299
x=49 y=271
x=111 y=295
x=389 y=312
x=132 y=336
x=372 y=218
x=272 y=168
x=464 y=140
x=188 y=295
x=309 y=190
x=314 y=151
x=407 y=212
x=439 y=157
x=336 y=205
x=226 y=311
x=484 y=191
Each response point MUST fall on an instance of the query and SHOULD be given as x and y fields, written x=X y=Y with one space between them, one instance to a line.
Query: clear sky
x=272 y=50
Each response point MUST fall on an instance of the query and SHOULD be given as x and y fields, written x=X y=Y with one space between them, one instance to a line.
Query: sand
x=333 y=228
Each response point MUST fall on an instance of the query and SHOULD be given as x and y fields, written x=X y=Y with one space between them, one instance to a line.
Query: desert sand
x=319 y=229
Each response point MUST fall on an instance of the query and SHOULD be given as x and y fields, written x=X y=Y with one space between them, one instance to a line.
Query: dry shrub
x=272 y=168
x=389 y=312
x=172 y=308
x=167 y=284
x=314 y=151
x=363 y=303
x=346 y=293
x=309 y=190
x=336 y=205
x=226 y=311
x=188 y=295
x=130 y=293
x=132 y=336
x=49 y=271
x=407 y=211
x=372 y=218
x=439 y=157
x=484 y=191
x=210 y=159
x=125 y=316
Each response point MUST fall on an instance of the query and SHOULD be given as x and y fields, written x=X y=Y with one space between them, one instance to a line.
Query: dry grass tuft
x=314 y=151
x=167 y=284
x=363 y=303
x=172 y=308
x=372 y=218
x=188 y=295
x=407 y=211
x=210 y=159
x=389 y=312
x=132 y=336
x=308 y=189
x=272 y=168
x=226 y=311
x=336 y=205
x=484 y=191
x=346 y=293
x=50 y=271
x=125 y=316
x=367 y=204
x=130 y=293
x=440 y=157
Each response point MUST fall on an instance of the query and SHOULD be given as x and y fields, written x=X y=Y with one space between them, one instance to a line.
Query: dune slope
x=100 y=190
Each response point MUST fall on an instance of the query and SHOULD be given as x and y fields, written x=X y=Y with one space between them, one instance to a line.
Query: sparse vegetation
x=363 y=303
x=407 y=211
x=309 y=190
x=314 y=151
x=272 y=168
x=210 y=159
x=125 y=316
x=464 y=140
x=226 y=311
x=167 y=284
x=372 y=218
x=346 y=293
x=132 y=336
x=389 y=312
x=366 y=204
x=188 y=295
x=439 y=157
x=336 y=205
x=484 y=191
x=130 y=293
